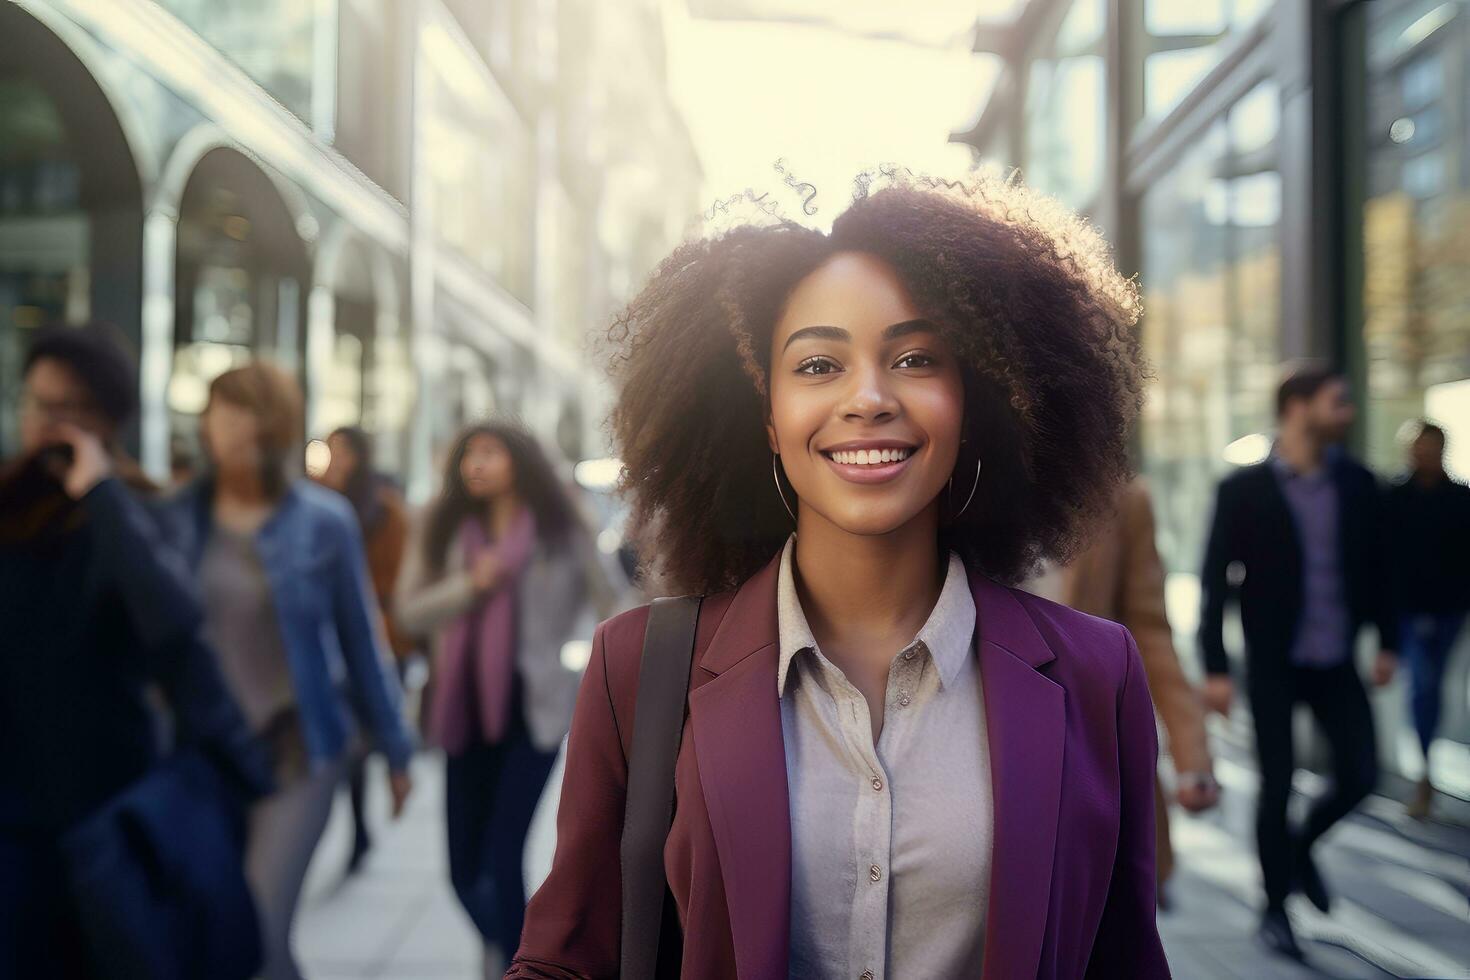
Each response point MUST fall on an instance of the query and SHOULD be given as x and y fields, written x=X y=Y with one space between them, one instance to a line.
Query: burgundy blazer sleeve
x=1127 y=943
x=574 y=921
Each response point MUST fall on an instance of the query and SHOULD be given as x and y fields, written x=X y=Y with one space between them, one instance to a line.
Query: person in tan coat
x=1120 y=577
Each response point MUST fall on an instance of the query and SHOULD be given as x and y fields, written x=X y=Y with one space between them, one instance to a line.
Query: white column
x=321 y=313
x=156 y=357
x=540 y=401
x=324 y=70
x=421 y=277
x=383 y=380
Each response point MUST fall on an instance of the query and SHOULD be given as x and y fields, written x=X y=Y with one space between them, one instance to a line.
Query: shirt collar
x=948 y=634
x=1279 y=465
x=1284 y=470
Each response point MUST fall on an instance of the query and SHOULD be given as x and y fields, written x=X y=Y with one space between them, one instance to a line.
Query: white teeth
x=870 y=457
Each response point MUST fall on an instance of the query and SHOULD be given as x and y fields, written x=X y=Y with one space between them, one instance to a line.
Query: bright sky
x=827 y=101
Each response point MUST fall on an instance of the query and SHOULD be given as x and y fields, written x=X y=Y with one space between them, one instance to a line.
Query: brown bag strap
x=658 y=727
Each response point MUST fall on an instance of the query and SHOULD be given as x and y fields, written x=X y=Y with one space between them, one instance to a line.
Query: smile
x=877 y=464
x=869 y=457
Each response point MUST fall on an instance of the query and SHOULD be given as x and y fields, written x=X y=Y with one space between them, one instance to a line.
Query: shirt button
x=908 y=654
x=875 y=873
x=877 y=784
x=904 y=700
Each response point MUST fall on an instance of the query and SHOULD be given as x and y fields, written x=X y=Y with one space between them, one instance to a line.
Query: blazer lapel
x=736 y=725
x=1025 y=719
x=1278 y=523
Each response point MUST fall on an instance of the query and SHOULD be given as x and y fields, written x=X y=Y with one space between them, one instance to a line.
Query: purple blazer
x=1072 y=748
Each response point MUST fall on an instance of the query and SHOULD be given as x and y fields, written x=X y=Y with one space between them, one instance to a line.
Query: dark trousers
x=1425 y=641
x=40 y=935
x=357 y=796
x=1338 y=701
x=491 y=793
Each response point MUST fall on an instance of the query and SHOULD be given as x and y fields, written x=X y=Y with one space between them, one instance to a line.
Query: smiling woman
x=894 y=763
x=1002 y=289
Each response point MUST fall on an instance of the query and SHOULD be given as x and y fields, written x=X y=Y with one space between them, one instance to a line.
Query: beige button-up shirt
x=890 y=843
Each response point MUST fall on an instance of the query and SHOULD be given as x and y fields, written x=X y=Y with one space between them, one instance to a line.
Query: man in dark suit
x=1298 y=539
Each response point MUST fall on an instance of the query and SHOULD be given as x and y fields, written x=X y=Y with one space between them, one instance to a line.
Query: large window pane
x=1417 y=227
x=372 y=79
x=276 y=42
x=1065 y=109
x=1416 y=288
x=1212 y=323
x=1184 y=335
x=1185 y=39
x=479 y=160
x=45 y=239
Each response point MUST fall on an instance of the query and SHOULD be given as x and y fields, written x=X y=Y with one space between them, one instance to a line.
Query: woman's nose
x=869 y=397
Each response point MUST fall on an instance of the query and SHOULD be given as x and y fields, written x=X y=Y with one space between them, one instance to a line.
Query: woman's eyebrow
x=907 y=327
x=817 y=333
x=892 y=332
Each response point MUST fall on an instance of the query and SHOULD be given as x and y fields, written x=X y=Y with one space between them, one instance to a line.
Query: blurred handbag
x=157 y=877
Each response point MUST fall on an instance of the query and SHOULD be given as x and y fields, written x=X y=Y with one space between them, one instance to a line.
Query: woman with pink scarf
x=502 y=575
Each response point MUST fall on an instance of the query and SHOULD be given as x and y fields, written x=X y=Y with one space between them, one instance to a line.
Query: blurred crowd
x=190 y=674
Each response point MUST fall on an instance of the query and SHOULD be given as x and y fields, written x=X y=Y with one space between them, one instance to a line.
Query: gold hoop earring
x=971 y=497
x=776 y=476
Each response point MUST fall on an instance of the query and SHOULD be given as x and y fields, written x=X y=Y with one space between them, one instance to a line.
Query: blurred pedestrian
x=884 y=759
x=1298 y=541
x=183 y=465
x=96 y=611
x=290 y=609
x=384 y=523
x=1120 y=577
x=502 y=573
x=1429 y=519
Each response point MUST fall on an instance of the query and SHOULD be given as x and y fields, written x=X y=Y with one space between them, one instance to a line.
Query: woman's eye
x=915 y=360
x=816 y=366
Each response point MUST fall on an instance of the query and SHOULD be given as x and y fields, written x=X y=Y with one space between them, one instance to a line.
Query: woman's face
x=486 y=468
x=342 y=464
x=231 y=435
x=867 y=401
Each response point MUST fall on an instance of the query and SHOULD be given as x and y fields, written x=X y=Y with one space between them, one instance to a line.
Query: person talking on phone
x=96 y=611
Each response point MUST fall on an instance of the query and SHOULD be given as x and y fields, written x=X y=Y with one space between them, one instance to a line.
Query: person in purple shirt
x=1298 y=541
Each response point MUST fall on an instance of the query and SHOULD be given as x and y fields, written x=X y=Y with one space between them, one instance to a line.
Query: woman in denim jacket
x=288 y=606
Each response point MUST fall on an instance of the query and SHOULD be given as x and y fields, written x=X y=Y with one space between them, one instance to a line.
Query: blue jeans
x=1425 y=640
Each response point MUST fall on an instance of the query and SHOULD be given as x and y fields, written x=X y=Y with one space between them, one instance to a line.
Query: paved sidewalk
x=1402 y=905
x=1401 y=895
x=398 y=919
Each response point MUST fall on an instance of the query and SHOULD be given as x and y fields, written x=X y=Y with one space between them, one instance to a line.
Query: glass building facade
x=1286 y=180
x=1211 y=276
x=1416 y=224
x=384 y=196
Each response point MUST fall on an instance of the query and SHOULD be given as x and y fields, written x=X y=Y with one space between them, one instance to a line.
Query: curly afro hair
x=1024 y=292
